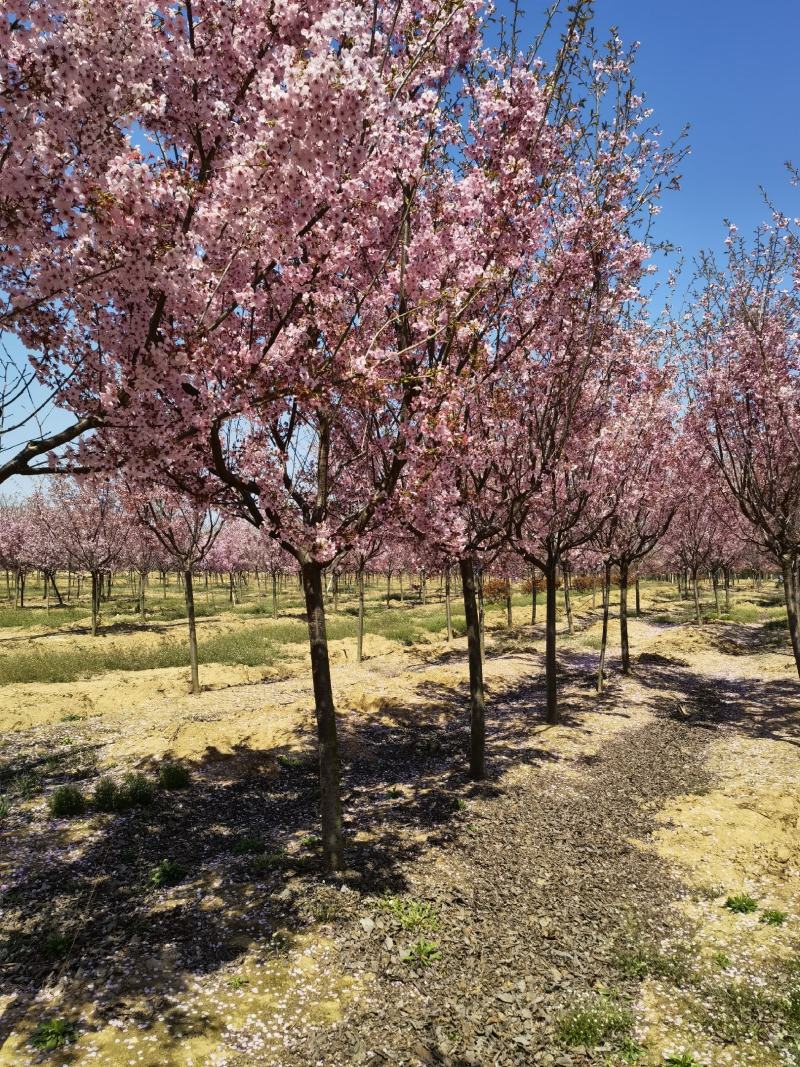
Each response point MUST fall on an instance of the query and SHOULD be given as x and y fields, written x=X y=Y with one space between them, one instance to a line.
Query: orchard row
x=375 y=281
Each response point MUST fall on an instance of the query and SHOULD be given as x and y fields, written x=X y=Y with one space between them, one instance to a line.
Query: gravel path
x=534 y=892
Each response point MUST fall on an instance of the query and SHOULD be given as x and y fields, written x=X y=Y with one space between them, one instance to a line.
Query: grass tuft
x=167 y=873
x=422 y=953
x=595 y=1022
x=411 y=914
x=53 y=1034
x=773 y=917
x=742 y=904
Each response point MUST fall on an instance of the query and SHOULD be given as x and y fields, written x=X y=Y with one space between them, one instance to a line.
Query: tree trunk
x=638 y=598
x=95 y=599
x=328 y=743
x=533 y=596
x=481 y=611
x=790 y=596
x=388 y=589
x=550 y=642
x=188 y=590
x=477 y=732
x=59 y=597
x=448 y=612
x=360 y=636
x=623 y=618
x=567 y=600
x=604 y=637
x=727 y=580
x=509 y=607
x=142 y=580
x=274 y=595
x=696 y=596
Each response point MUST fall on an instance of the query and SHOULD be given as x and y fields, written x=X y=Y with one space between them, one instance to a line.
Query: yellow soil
x=274 y=993
x=742 y=836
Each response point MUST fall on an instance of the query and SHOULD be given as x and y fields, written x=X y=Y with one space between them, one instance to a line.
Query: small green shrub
x=249 y=845
x=173 y=776
x=67 y=801
x=722 y=960
x=105 y=795
x=4 y=808
x=594 y=1022
x=394 y=792
x=167 y=873
x=422 y=952
x=309 y=841
x=269 y=861
x=53 y=1034
x=773 y=917
x=289 y=763
x=742 y=904
x=682 y=1059
x=411 y=914
x=135 y=791
x=138 y=790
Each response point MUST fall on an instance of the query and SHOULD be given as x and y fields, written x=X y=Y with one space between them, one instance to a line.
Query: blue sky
x=730 y=69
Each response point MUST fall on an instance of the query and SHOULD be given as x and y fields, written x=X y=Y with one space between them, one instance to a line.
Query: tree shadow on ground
x=94 y=932
x=758 y=707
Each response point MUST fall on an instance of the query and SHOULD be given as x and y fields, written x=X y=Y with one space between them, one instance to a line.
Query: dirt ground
x=572 y=909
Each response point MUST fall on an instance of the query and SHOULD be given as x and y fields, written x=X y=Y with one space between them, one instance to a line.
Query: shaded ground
x=578 y=877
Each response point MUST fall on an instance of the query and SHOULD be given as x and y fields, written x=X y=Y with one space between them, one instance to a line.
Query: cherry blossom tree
x=743 y=362
x=86 y=518
x=186 y=530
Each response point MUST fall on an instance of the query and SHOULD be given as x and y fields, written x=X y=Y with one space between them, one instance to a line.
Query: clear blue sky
x=731 y=69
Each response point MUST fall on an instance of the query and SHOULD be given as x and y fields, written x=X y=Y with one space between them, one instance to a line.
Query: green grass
x=28 y=618
x=135 y=791
x=249 y=845
x=595 y=1022
x=253 y=648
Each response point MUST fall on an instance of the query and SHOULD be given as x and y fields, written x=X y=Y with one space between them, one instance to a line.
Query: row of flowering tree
x=357 y=279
